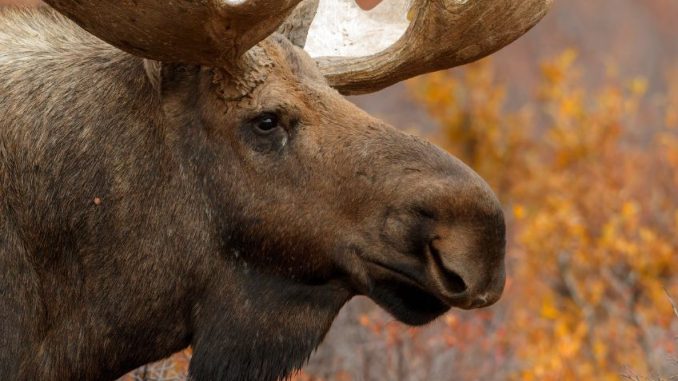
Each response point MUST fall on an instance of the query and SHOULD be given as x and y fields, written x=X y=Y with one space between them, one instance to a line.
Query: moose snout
x=465 y=266
x=464 y=241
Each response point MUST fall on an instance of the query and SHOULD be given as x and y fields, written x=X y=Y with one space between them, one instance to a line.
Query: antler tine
x=442 y=34
x=207 y=32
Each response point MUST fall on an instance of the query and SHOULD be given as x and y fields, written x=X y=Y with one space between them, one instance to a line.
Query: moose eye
x=266 y=122
x=267 y=131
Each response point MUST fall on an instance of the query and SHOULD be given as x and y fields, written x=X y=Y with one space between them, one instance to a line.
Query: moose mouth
x=418 y=297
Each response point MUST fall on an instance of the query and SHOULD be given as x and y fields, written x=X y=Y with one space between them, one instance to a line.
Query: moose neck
x=253 y=326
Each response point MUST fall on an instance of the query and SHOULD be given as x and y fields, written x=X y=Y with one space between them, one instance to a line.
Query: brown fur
x=140 y=211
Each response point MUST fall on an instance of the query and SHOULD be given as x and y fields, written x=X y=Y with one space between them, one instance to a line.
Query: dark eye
x=266 y=122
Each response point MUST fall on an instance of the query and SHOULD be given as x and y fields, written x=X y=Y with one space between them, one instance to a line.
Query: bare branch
x=673 y=303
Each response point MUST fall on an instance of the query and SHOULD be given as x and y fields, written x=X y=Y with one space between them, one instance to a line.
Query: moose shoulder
x=206 y=185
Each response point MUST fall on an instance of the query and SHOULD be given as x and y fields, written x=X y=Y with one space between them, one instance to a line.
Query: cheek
x=284 y=243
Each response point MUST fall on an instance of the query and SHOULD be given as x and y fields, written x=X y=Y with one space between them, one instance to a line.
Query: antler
x=207 y=32
x=442 y=34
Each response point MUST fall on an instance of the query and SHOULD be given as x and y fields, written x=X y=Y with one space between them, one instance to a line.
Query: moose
x=183 y=173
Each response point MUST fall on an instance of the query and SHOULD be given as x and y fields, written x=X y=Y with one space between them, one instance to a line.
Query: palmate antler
x=207 y=32
x=441 y=35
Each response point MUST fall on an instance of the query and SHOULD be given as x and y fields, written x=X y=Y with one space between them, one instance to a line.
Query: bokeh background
x=576 y=128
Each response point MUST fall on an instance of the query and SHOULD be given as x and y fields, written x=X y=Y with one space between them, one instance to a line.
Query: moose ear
x=153 y=71
x=167 y=78
x=175 y=86
x=296 y=27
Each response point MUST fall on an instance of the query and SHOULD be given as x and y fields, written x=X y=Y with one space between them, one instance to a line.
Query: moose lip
x=460 y=300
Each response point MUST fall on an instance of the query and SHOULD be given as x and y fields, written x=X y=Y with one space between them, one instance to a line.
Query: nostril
x=452 y=281
x=456 y=283
x=425 y=213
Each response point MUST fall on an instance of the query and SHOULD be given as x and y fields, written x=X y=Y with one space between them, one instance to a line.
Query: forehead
x=274 y=68
x=289 y=71
x=293 y=59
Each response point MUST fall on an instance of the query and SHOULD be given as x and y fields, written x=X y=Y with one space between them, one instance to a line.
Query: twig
x=673 y=303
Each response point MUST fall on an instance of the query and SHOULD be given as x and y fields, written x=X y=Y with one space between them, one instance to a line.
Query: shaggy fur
x=142 y=211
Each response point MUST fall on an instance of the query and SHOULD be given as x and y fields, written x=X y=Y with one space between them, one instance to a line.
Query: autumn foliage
x=589 y=180
x=591 y=183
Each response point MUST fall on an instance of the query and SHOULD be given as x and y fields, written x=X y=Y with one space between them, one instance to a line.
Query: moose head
x=288 y=199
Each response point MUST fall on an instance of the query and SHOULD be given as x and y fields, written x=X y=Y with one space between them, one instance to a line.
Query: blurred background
x=576 y=128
